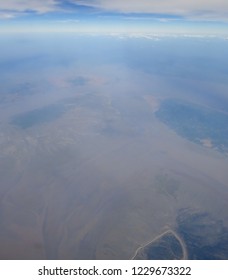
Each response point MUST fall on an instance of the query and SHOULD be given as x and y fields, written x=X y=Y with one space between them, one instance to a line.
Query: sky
x=135 y=16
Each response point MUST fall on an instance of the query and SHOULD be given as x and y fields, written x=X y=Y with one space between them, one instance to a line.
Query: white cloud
x=6 y=15
x=191 y=9
x=209 y=9
x=68 y=20
x=39 y=6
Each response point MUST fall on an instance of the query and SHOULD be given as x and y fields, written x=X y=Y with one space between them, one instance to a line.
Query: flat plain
x=91 y=168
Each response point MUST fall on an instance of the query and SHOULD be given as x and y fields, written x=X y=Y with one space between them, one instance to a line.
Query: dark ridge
x=195 y=122
x=205 y=238
x=167 y=247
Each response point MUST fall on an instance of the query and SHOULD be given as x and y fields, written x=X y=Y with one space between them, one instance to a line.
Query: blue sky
x=165 y=16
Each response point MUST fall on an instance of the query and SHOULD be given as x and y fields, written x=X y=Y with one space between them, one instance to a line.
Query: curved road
x=183 y=246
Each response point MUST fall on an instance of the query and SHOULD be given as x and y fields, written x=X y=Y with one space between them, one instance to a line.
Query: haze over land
x=113 y=145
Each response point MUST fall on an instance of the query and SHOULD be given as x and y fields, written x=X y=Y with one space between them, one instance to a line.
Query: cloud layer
x=41 y=6
x=187 y=8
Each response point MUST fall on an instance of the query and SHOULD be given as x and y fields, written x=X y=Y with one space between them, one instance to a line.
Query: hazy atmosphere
x=113 y=129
